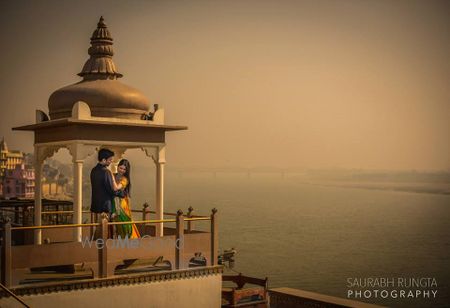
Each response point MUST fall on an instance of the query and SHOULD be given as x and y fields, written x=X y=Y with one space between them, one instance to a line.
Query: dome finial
x=100 y=64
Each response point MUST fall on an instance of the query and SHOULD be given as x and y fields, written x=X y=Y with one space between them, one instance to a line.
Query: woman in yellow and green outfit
x=121 y=210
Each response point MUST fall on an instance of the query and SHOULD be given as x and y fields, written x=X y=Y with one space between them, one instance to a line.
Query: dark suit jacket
x=102 y=190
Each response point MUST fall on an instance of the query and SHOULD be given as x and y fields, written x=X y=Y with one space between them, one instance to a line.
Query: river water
x=315 y=237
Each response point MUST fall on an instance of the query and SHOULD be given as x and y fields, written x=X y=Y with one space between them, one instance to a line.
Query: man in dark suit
x=101 y=183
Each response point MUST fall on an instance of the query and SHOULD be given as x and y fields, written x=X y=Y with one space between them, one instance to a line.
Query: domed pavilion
x=98 y=112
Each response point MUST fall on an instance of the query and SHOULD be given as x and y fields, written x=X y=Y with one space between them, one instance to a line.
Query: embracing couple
x=111 y=193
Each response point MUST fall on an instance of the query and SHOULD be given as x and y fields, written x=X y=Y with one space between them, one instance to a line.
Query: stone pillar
x=41 y=152
x=77 y=198
x=160 y=161
x=79 y=152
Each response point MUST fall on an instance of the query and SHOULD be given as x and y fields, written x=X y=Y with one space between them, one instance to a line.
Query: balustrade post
x=145 y=211
x=189 y=215
x=145 y=216
x=214 y=237
x=101 y=246
x=93 y=220
x=6 y=276
x=179 y=242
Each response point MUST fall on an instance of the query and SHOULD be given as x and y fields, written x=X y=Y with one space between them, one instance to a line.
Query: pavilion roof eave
x=70 y=121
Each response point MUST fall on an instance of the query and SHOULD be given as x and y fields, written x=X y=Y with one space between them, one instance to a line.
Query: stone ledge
x=289 y=297
x=117 y=280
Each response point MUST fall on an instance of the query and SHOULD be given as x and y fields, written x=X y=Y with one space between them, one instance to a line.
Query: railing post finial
x=189 y=215
x=104 y=216
x=145 y=212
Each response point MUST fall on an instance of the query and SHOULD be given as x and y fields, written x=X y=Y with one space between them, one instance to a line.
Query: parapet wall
x=196 y=287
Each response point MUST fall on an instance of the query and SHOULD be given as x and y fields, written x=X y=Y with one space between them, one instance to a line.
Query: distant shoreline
x=421 y=188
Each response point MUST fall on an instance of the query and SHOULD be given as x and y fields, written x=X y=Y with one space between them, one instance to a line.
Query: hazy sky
x=359 y=84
